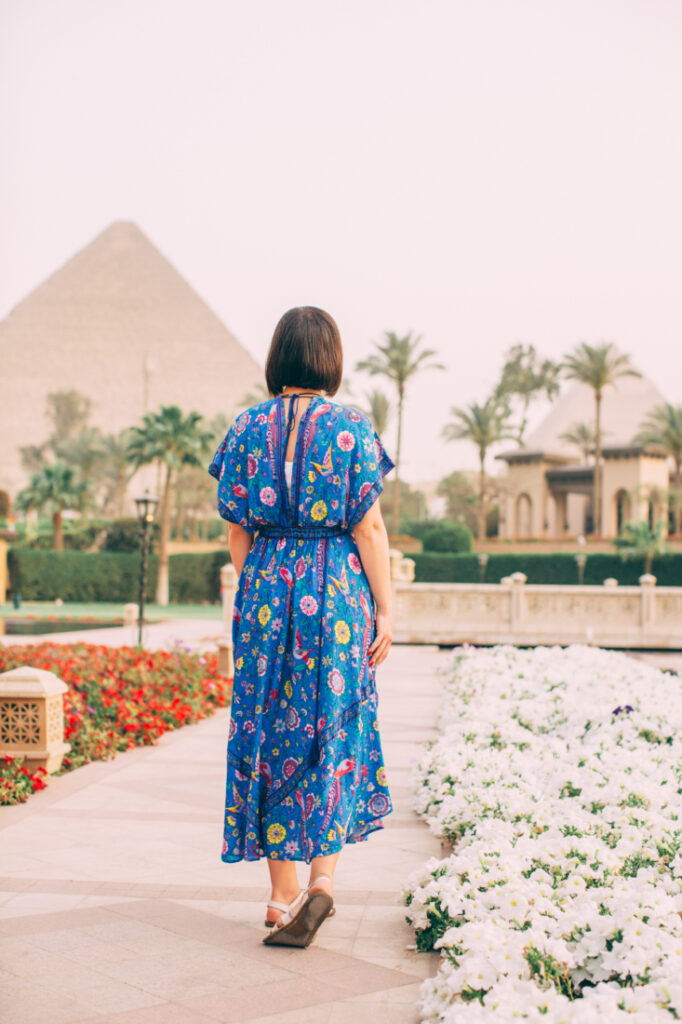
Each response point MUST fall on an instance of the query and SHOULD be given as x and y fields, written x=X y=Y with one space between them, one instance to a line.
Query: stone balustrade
x=512 y=612
x=515 y=612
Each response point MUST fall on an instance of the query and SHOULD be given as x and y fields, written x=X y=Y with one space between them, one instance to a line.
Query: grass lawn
x=104 y=610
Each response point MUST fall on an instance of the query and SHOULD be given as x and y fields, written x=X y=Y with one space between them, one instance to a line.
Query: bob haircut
x=305 y=352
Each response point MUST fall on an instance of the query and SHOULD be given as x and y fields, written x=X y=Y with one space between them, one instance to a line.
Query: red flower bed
x=117 y=698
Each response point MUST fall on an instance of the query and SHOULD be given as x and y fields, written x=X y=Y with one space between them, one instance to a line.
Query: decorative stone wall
x=516 y=613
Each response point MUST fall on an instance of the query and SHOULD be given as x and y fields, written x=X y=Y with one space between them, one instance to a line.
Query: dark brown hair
x=305 y=352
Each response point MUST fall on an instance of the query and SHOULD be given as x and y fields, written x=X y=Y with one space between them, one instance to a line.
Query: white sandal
x=278 y=905
x=299 y=922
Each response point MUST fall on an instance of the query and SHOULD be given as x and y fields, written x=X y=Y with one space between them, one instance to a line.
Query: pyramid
x=120 y=324
x=624 y=406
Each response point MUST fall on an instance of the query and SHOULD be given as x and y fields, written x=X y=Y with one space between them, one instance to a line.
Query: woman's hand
x=384 y=638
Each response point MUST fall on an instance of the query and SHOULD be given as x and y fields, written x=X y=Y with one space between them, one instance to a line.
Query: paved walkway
x=115 y=907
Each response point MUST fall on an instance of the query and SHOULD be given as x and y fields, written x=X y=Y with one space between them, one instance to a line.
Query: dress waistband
x=302 y=531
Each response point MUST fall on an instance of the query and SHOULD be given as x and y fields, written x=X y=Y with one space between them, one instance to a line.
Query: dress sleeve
x=229 y=466
x=369 y=464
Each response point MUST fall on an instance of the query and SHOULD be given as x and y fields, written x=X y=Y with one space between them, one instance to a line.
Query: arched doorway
x=623 y=508
x=524 y=516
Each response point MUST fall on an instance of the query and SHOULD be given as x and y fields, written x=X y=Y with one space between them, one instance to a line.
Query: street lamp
x=146 y=506
x=581 y=559
x=482 y=562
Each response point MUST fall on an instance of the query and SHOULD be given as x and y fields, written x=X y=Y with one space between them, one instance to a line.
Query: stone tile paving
x=116 y=909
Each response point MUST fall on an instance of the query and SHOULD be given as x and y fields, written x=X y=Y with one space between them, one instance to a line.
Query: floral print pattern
x=305 y=771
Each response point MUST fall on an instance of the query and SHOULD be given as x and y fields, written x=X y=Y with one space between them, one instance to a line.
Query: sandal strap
x=278 y=905
x=291 y=910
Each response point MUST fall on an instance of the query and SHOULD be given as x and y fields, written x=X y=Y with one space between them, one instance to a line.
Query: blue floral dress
x=305 y=771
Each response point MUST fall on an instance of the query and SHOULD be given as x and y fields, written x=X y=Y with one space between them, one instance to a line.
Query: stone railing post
x=647 y=584
x=402 y=571
x=131 y=614
x=32 y=717
x=517 y=603
x=395 y=558
x=228 y=592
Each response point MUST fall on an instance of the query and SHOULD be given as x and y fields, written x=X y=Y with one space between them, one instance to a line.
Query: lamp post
x=581 y=559
x=482 y=562
x=146 y=506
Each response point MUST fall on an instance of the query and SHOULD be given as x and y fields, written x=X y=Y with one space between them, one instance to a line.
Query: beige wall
x=638 y=477
x=525 y=479
x=517 y=613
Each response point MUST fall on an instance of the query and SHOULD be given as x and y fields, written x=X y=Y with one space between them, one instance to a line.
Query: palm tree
x=378 y=409
x=526 y=376
x=582 y=436
x=598 y=366
x=169 y=438
x=54 y=486
x=85 y=452
x=638 y=540
x=398 y=360
x=116 y=470
x=663 y=426
x=483 y=425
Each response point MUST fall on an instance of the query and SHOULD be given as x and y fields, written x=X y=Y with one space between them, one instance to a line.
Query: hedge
x=111 y=576
x=195 y=578
x=558 y=568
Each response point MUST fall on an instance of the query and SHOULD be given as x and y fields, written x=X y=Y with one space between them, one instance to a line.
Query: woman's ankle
x=285 y=895
x=321 y=881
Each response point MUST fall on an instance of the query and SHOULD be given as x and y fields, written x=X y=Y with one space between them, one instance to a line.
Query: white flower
x=566 y=824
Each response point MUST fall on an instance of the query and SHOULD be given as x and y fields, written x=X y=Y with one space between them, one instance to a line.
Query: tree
x=170 y=439
x=582 y=436
x=86 y=453
x=526 y=376
x=54 y=487
x=378 y=409
x=598 y=366
x=69 y=412
x=483 y=425
x=460 y=499
x=638 y=540
x=399 y=360
x=663 y=426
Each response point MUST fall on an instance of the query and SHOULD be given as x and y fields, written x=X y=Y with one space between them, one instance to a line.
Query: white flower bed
x=558 y=778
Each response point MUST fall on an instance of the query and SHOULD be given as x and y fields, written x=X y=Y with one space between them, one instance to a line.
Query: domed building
x=548 y=486
x=118 y=323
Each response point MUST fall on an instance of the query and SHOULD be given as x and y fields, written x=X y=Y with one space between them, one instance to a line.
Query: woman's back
x=337 y=464
x=305 y=770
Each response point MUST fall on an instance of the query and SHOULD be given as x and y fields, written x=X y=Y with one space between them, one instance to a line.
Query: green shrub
x=447 y=536
x=440 y=534
x=78 y=575
x=126 y=535
x=78 y=536
x=557 y=568
x=111 y=576
x=195 y=579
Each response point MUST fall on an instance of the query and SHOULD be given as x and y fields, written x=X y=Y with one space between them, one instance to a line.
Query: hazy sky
x=481 y=173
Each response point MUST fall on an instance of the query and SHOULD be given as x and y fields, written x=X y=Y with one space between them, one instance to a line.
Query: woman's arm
x=372 y=540
x=239 y=542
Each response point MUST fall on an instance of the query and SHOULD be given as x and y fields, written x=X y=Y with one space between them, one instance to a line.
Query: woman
x=299 y=476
